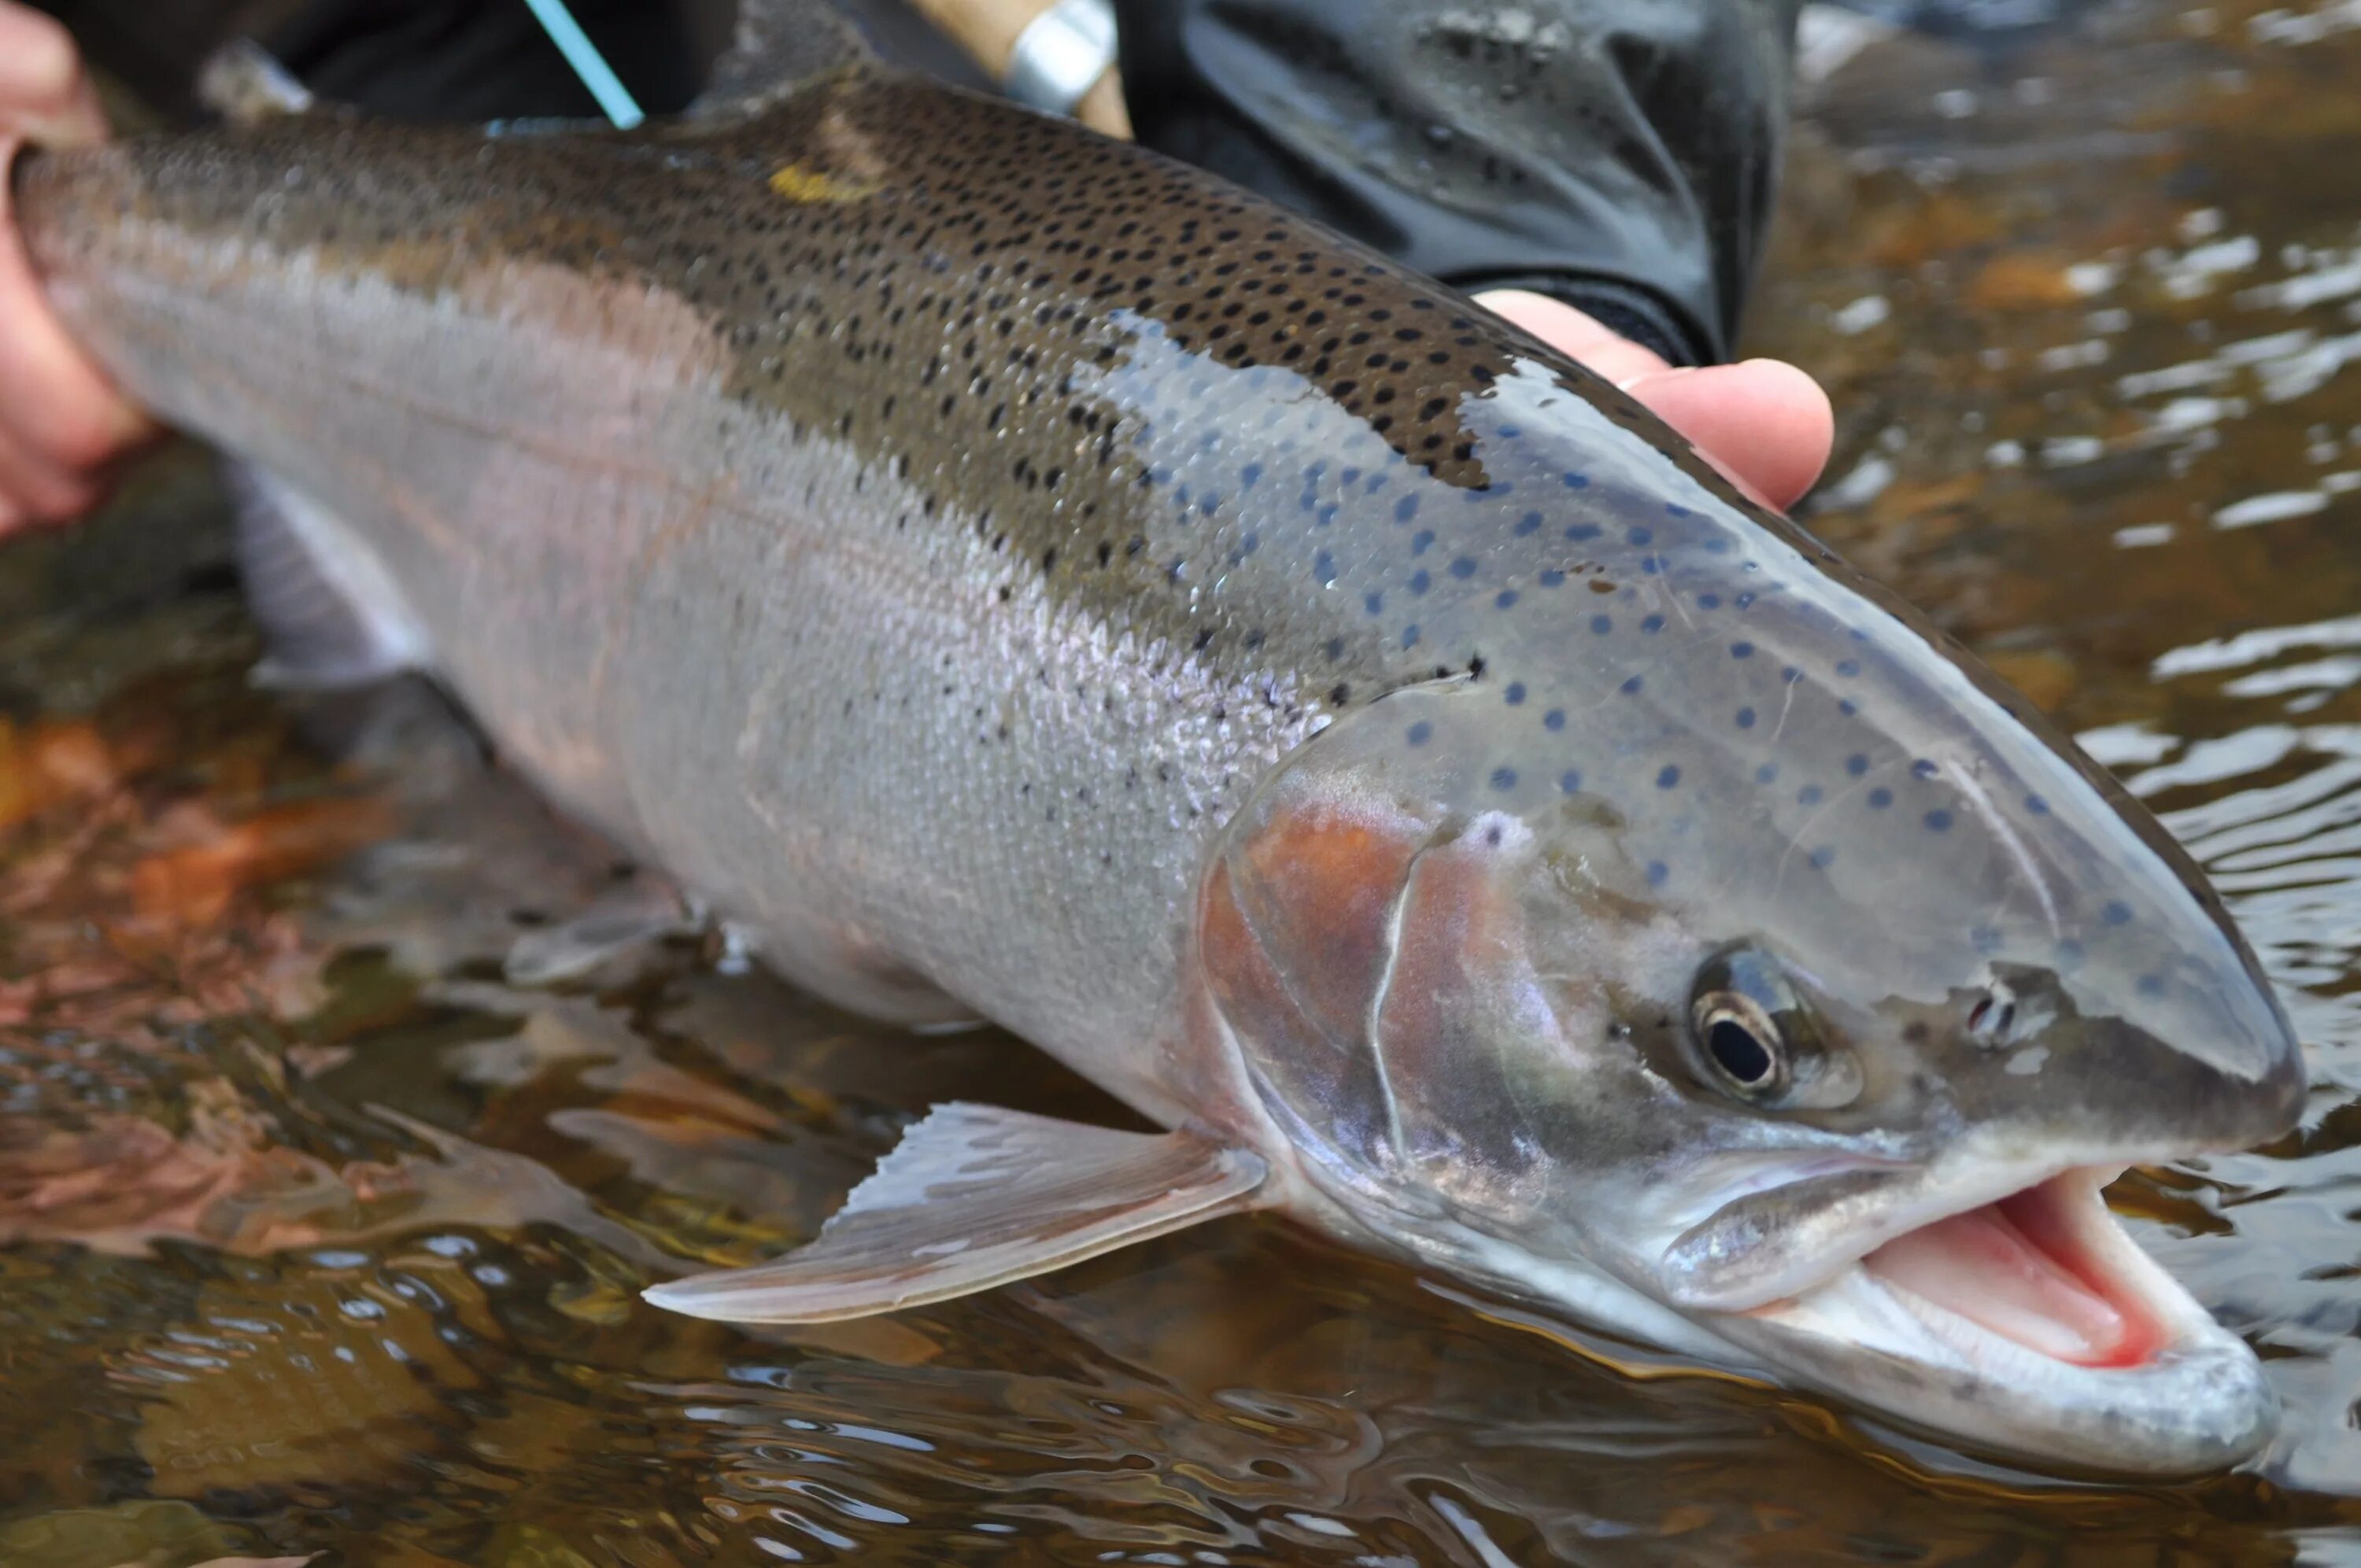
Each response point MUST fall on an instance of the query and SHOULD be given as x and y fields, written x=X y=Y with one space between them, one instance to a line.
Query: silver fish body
x=1022 y=579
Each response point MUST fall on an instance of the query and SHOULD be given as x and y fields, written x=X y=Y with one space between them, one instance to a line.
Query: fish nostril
x=1993 y=1020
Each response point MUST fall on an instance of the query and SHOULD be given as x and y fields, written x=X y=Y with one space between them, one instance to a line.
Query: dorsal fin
x=974 y=1197
x=780 y=43
x=242 y=84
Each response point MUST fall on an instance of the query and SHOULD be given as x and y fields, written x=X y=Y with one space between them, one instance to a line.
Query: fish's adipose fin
x=329 y=607
x=780 y=43
x=974 y=1197
x=243 y=83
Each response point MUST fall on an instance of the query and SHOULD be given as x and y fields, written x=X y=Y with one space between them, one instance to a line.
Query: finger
x=1575 y=334
x=1765 y=424
x=35 y=489
x=45 y=95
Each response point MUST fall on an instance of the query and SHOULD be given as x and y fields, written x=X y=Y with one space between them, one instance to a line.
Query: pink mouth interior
x=2017 y=1269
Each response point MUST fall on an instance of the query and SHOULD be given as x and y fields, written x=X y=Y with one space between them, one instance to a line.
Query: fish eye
x=1742 y=1042
x=1747 y=1025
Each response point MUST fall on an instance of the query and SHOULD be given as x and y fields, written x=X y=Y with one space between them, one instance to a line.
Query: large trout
x=1018 y=578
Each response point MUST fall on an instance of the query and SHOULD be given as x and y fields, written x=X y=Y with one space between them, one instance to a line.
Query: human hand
x=1764 y=424
x=62 y=423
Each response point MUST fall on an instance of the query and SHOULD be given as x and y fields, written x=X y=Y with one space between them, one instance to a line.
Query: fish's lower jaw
x=2050 y=1336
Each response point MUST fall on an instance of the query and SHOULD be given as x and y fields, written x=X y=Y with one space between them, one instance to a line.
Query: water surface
x=328 y=1226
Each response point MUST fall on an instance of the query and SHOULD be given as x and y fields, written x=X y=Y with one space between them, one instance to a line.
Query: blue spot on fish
x=1570 y=780
x=1824 y=857
x=1529 y=523
x=1420 y=582
x=1628 y=687
x=1405 y=508
x=1741 y=649
x=1848 y=668
x=1657 y=872
x=1880 y=798
x=1654 y=623
x=1640 y=536
x=1374 y=603
x=1515 y=693
x=1419 y=734
x=1856 y=764
x=1600 y=625
x=1505 y=599
x=1554 y=720
x=1409 y=635
x=1808 y=795
x=1582 y=532
x=1574 y=481
x=1667 y=776
x=2115 y=912
x=1766 y=773
x=1746 y=719
x=1323 y=566
x=1708 y=601
x=1938 y=821
x=2036 y=804
x=1463 y=567
x=1421 y=540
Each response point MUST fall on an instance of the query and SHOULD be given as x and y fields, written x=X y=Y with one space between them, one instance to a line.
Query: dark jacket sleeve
x=1617 y=154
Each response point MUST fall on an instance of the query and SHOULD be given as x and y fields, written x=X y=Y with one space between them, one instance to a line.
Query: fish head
x=1810 y=1053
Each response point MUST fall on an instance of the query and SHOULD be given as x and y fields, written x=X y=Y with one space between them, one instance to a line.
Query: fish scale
x=1018 y=576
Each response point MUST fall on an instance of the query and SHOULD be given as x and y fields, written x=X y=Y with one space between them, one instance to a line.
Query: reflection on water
x=327 y=1229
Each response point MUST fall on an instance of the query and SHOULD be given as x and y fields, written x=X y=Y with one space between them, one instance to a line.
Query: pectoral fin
x=974 y=1197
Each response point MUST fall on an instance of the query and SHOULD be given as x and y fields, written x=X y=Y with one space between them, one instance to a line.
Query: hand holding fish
x=61 y=423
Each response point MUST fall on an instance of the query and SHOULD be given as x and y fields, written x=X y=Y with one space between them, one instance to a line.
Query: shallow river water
x=325 y=1220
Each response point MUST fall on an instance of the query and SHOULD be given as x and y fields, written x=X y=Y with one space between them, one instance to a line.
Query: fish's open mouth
x=2032 y=1322
x=2047 y=1269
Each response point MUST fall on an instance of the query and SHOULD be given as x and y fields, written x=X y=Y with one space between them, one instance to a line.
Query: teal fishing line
x=614 y=98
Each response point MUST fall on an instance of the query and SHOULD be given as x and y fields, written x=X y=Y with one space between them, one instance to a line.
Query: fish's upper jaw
x=2030 y=1324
